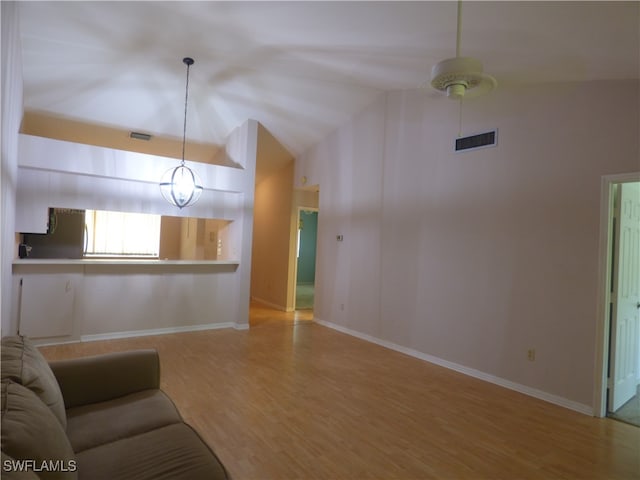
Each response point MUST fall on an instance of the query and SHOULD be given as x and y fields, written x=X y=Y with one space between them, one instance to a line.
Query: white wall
x=242 y=148
x=473 y=258
x=134 y=298
x=11 y=117
x=57 y=173
x=116 y=300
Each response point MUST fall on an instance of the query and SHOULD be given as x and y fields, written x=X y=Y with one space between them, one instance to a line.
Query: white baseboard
x=532 y=392
x=48 y=342
x=155 y=331
x=241 y=326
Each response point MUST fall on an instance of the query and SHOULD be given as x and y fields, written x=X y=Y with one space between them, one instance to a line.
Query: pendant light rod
x=188 y=61
x=181 y=186
x=459 y=31
x=458 y=42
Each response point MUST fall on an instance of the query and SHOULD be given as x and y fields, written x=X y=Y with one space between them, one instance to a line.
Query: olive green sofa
x=101 y=417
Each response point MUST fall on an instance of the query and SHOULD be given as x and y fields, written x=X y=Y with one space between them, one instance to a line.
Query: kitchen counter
x=119 y=261
x=88 y=299
x=121 y=265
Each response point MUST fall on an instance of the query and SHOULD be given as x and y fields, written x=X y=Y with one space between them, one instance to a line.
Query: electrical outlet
x=531 y=354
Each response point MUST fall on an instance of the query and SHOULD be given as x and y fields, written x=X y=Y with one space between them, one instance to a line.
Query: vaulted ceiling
x=299 y=68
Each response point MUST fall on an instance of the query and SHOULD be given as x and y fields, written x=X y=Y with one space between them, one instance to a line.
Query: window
x=122 y=234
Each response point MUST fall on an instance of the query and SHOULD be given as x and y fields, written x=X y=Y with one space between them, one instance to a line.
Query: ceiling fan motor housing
x=461 y=77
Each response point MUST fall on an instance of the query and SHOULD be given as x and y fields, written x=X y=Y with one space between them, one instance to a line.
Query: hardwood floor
x=291 y=399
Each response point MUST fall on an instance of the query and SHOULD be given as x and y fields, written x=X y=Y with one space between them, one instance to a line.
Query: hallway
x=305 y=294
x=262 y=315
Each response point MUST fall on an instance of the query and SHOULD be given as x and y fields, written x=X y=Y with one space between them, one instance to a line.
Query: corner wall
x=271 y=234
x=11 y=117
x=471 y=259
x=271 y=238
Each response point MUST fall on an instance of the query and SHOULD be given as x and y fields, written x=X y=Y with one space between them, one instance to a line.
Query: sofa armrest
x=105 y=377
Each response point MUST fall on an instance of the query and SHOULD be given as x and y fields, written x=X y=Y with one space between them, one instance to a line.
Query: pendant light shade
x=181 y=186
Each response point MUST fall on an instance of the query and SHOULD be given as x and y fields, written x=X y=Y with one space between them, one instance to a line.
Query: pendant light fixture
x=181 y=186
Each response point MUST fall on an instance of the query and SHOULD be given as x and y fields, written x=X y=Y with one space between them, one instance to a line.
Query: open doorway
x=306 y=258
x=620 y=386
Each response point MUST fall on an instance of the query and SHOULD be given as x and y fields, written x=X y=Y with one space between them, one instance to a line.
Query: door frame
x=604 y=293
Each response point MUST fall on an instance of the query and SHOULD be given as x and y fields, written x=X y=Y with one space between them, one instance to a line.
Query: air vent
x=479 y=140
x=140 y=136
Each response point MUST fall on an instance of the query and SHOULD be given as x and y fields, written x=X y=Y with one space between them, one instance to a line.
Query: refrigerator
x=65 y=237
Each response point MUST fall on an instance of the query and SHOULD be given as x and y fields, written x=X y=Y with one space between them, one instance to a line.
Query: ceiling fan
x=461 y=77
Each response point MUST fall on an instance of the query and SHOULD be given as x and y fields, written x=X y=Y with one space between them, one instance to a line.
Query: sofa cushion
x=104 y=377
x=30 y=431
x=99 y=423
x=173 y=452
x=23 y=363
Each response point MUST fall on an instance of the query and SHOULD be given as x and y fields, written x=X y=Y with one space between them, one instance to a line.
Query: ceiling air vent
x=479 y=140
x=140 y=136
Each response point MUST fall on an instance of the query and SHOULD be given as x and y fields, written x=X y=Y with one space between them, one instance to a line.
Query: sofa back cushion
x=23 y=363
x=30 y=431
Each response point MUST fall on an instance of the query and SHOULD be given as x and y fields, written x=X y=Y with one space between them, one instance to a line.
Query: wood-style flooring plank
x=291 y=399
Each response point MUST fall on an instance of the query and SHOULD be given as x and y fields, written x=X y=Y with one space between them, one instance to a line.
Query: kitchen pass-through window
x=121 y=234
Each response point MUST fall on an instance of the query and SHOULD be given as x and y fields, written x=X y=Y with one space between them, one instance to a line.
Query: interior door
x=625 y=297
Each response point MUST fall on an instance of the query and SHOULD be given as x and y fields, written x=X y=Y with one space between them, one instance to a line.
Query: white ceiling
x=300 y=68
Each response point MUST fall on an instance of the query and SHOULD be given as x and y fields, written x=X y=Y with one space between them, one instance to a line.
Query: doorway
x=620 y=384
x=306 y=258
